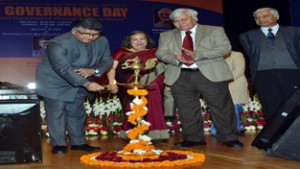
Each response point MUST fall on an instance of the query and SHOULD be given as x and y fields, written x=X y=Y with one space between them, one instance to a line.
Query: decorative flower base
x=168 y=158
x=140 y=152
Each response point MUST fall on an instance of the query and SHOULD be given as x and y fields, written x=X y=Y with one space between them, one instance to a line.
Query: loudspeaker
x=288 y=145
x=278 y=124
x=20 y=140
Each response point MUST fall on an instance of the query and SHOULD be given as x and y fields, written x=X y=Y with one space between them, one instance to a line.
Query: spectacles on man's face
x=181 y=20
x=88 y=34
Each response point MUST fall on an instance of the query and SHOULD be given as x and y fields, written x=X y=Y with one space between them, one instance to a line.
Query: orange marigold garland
x=139 y=144
x=140 y=152
x=137 y=92
x=168 y=158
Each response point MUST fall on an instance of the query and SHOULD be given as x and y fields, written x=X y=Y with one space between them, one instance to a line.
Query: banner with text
x=27 y=25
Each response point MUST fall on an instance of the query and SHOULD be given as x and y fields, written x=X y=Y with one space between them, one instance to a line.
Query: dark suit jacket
x=251 y=44
x=55 y=75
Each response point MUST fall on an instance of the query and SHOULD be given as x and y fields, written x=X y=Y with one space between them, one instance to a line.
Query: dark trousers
x=187 y=90
x=66 y=116
x=274 y=87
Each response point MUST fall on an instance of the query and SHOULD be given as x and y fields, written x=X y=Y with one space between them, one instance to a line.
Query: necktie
x=187 y=44
x=270 y=36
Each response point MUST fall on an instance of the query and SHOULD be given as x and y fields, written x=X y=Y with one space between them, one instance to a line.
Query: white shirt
x=193 y=33
x=274 y=29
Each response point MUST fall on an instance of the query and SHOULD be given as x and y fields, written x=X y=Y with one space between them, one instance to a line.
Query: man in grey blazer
x=206 y=74
x=64 y=79
x=274 y=60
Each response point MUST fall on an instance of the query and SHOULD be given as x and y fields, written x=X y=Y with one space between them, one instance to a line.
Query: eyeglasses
x=88 y=34
x=181 y=20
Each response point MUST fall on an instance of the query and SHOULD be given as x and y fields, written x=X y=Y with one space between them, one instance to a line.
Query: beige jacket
x=211 y=44
x=239 y=86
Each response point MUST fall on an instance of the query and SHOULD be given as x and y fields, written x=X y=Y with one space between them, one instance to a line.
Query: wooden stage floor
x=217 y=155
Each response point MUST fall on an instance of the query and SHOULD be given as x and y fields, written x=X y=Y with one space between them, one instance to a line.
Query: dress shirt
x=274 y=30
x=193 y=33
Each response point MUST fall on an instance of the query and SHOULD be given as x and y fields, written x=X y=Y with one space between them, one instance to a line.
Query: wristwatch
x=97 y=71
x=179 y=64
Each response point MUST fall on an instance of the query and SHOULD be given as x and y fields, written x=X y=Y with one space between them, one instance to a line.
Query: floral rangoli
x=140 y=152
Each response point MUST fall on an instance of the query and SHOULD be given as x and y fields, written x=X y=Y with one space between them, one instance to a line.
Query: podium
x=20 y=140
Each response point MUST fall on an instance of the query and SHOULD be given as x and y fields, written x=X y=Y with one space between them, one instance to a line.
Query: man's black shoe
x=190 y=143
x=233 y=143
x=59 y=150
x=84 y=147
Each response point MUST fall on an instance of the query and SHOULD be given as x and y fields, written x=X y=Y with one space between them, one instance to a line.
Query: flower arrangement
x=207 y=122
x=44 y=127
x=253 y=117
x=104 y=116
x=174 y=125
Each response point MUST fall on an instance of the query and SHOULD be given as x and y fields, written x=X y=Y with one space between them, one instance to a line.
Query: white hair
x=274 y=11
x=177 y=12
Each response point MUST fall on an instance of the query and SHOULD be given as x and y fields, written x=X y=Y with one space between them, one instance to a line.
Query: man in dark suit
x=203 y=72
x=64 y=78
x=274 y=57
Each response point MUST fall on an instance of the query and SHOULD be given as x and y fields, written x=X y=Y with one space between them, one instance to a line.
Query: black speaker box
x=20 y=140
x=278 y=124
x=288 y=145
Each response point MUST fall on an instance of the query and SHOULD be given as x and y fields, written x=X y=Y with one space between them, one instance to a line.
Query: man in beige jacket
x=206 y=74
